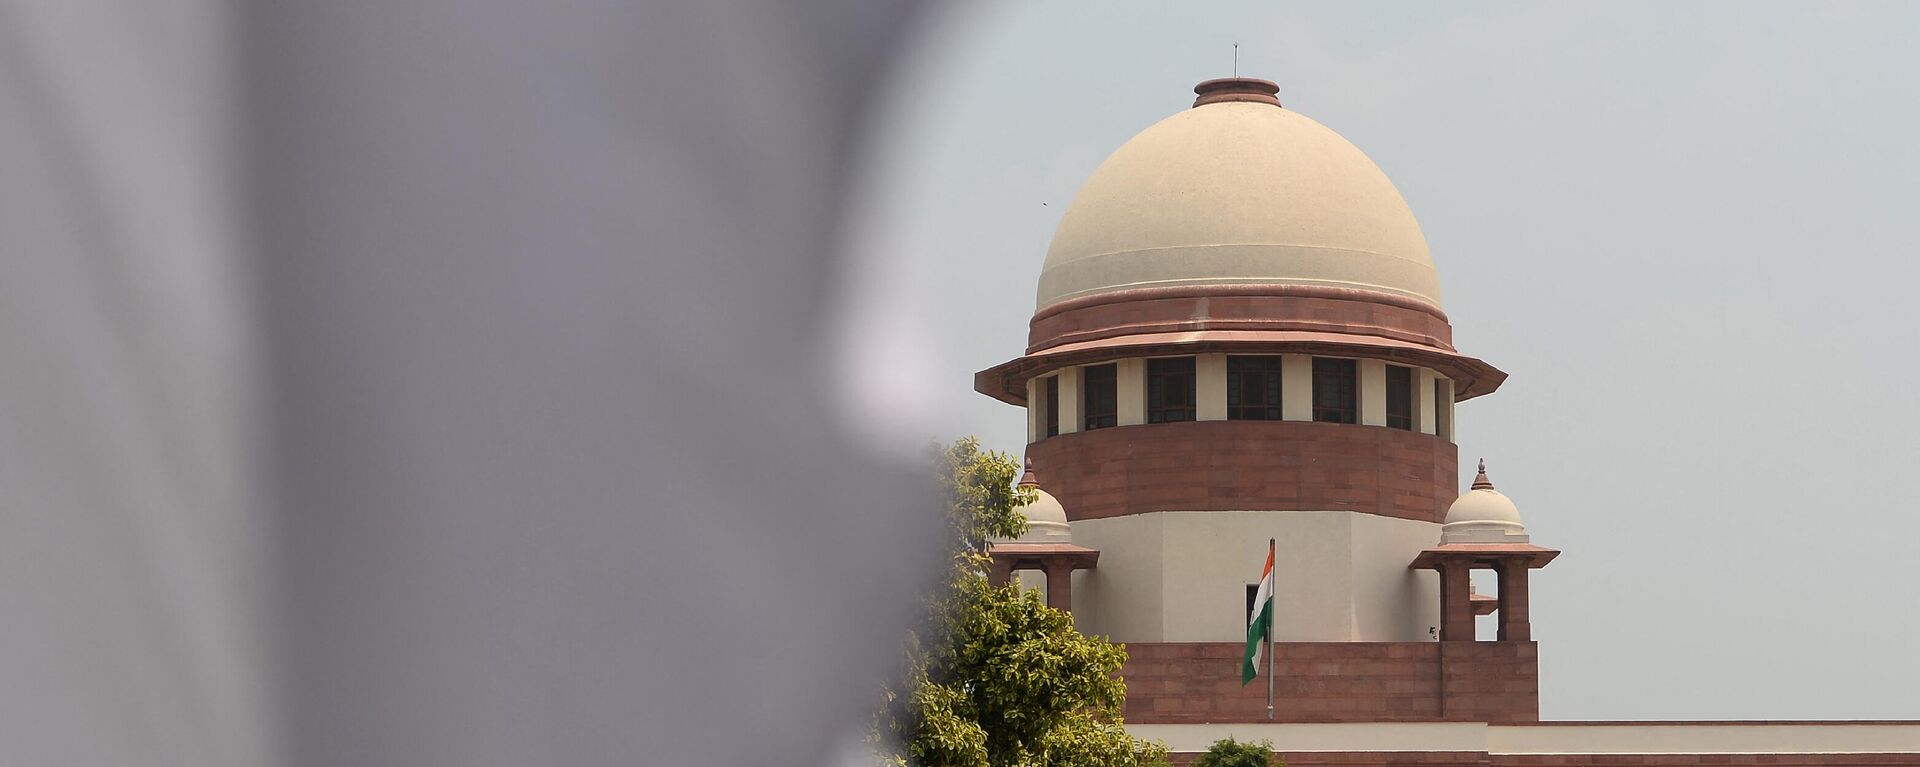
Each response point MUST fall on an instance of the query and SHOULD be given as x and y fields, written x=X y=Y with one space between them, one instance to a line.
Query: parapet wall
x=1247 y=466
x=1497 y=682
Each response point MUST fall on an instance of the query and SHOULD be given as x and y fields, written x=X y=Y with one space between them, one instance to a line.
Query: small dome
x=1237 y=190
x=1483 y=515
x=1046 y=518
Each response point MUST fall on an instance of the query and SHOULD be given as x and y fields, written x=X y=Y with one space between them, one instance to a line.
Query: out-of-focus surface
x=545 y=290
x=482 y=415
x=136 y=555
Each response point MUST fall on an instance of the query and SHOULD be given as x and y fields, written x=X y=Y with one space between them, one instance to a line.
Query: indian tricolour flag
x=1260 y=619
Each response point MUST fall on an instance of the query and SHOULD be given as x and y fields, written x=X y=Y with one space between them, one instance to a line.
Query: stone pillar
x=1000 y=571
x=1070 y=394
x=1515 y=623
x=1036 y=405
x=1210 y=387
x=1423 y=402
x=1060 y=586
x=1371 y=378
x=1456 y=601
x=1296 y=387
x=1130 y=386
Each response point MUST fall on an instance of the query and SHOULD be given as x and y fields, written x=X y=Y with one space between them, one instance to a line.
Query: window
x=1053 y=406
x=1335 y=395
x=1399 y=397
x=1442 y=393
x=1100 y=396
x=1253 y=388
x=1170 y=390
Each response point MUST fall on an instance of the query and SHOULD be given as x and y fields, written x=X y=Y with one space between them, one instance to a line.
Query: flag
x=1259 y=620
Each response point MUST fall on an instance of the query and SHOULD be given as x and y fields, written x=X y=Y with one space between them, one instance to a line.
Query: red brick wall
x=1472 y=759
x=1249 y=465
x=1169 y=683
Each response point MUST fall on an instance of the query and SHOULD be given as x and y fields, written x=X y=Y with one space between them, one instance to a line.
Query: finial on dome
x=1226 y=89
x=1028 y=478
x=1480 y=481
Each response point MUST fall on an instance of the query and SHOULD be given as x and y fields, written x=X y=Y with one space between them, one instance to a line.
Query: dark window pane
x=1335 y=390
x=1170 y=395
x=1053 y=405
x=1399 y=397
x=1253 y=388
x=1099 y=397
x=1440 y=391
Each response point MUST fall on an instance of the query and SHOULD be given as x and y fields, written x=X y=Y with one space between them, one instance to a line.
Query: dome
x=1238 y=190
x=1483 y=515
x=1046 y=518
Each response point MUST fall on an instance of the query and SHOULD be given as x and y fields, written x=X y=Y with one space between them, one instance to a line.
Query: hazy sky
x=1687 y=232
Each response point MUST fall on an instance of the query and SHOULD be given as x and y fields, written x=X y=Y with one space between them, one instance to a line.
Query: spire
x=1480 y=481
x=1028 y=478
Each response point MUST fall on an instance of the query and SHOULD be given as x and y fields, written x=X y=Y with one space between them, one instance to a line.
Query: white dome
x=1238 y=192
x=1483 y=515
x=1046 y=520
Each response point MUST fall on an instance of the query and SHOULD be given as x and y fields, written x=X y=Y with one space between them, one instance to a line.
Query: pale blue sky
x=1688 y=233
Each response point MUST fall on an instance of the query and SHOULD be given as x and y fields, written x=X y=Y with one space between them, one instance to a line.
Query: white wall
x=1032 y=580
x=1393 y=601
x=1121 y=598
x=1707 y=738
x=1369 y=737
x=1181 y=576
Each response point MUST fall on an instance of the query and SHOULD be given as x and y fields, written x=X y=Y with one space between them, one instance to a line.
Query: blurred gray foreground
x=434 y=383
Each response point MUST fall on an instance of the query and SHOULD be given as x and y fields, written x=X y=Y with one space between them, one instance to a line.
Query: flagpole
x=1272 y=604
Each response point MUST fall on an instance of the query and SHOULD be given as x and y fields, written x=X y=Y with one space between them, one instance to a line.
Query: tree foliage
x=993 y=677
x=1228 y=752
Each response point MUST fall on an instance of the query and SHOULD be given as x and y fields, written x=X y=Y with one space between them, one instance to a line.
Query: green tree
x=993 y=677
x=1228 y=752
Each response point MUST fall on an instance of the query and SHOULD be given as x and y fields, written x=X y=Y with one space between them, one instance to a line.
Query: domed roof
x=1046 y=518
x=1238 y=190
x=1483 y=515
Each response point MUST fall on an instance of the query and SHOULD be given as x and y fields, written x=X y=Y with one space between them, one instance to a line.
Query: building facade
x=1239 y=337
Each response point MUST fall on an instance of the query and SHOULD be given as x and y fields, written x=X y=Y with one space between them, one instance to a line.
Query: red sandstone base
x=1249 y=465
x=1497 y=682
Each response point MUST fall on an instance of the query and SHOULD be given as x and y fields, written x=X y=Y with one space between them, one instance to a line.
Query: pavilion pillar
x=1456 y=601
x=1059 y=585
x=1000 y=571
x=1515 y=623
